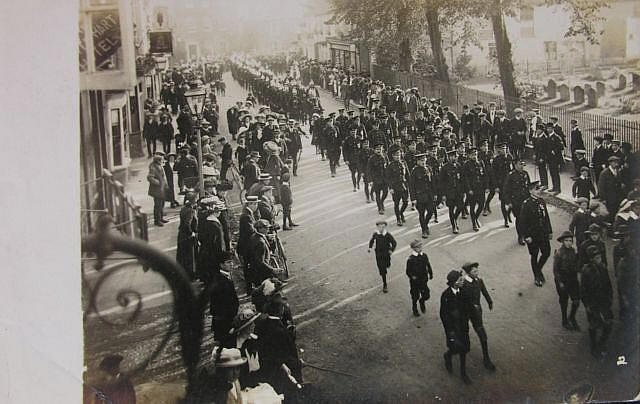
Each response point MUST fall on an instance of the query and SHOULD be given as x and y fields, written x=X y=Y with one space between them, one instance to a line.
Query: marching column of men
x=420 y=158
x=465 y=177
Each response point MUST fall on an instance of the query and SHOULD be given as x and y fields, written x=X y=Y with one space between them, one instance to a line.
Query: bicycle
x=278 y=258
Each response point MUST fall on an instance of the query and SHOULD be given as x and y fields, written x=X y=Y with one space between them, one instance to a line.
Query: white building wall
x=550 y=24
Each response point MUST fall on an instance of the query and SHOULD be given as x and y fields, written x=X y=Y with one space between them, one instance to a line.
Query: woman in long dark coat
x=211 y=237
x=186 y=254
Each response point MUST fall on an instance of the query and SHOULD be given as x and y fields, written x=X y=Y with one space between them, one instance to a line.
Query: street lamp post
x=195 y=98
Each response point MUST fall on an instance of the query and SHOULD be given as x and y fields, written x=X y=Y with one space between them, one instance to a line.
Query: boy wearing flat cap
x=419 y=272
x=456 y=324
x=472 y=287
x=385 y=244
x=583 y=186
x=565 y=273
x=581 y=220
x=597 y=296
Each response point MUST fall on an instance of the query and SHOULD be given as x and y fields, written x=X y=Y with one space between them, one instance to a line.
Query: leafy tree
x=585 y=17
x=384 y=25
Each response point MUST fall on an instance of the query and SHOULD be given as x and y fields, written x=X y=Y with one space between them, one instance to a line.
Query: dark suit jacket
x=610 y=190
x=157 y=181
x=455 y=321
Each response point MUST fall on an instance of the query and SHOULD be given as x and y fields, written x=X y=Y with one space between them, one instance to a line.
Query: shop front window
x=125 y=127
x=116 y=137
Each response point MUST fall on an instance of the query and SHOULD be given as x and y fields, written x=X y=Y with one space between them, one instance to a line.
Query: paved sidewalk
x=137 y=185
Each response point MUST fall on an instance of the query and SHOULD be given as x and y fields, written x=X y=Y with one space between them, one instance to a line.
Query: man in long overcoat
x=158 y=188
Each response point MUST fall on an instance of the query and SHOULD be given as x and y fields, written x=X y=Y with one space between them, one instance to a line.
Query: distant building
x=320 y=39
x=537 y=35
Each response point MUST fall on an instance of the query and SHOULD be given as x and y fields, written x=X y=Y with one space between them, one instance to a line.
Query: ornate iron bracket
x=186 y=307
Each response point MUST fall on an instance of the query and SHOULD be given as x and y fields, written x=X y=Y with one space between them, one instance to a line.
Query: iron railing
x=106 y=195
x=455 y=96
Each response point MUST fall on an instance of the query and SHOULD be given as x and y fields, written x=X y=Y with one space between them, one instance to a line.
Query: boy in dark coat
x=385 y=245
x=472 y=288
x=419 y=272
x=455 y=323
x=583 y=186
x=597 y=296
x=581 y=220
x=565 y=272
x=286 y=200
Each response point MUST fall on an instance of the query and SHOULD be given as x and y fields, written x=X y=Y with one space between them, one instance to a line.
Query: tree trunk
x=435 y=37
x=405 y=60
x=505 y=63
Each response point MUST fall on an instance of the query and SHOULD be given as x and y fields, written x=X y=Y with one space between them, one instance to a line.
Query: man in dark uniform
x=466 y=119
x=554 y=156
x=515 y=191
x=294 y=145
x=461 y=149
x=341 y=121
x=419 y=272
x=565 y=272
x=599 y=158
x=375 y=135
x=398 y=181
x=350 y=152
x=541 y=154
x=456 y=324
x=471 y=290
x=452 y=189
x=577 y=143
x=363 y=159
x=558 y=129
x=597 y=296
x=476 y=183
x=537 y=231
x=376 y=167
x=333 y=142
x=423 y=192
x=410 y=155
x=500 y=168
